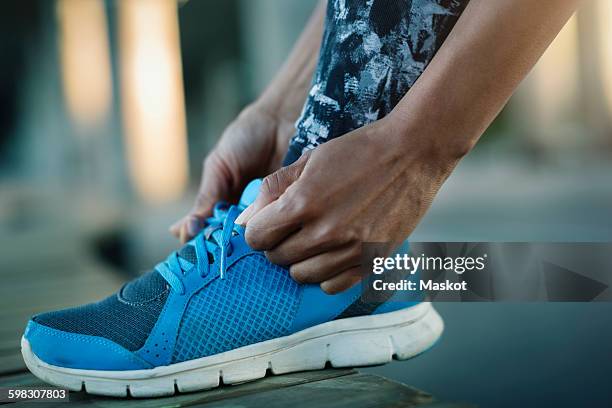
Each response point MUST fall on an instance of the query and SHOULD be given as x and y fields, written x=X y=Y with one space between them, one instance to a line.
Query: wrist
x=421 y=143
x=274 y=106
x=429 y=137
x=267 y=110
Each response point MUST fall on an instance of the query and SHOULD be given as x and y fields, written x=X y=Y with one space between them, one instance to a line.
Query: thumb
x=213 y=188
x=273 y=186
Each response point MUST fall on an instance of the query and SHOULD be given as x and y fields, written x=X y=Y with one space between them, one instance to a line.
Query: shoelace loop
x=205 y=243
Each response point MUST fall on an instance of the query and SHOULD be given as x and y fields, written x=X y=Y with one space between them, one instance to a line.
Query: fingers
x=313 y=239
x=175 y=228
x=190 y=225
x=273 y=186
x=293 y=248
x=246 y=214
x=271 y=225
x=342 y=281
x=186 y=227
x=326 y=265
x=213 y=188
x=274 y=215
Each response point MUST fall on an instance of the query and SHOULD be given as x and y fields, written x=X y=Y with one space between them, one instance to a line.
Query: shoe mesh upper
x=255 y=301
x=126 y=318
x=145 y=288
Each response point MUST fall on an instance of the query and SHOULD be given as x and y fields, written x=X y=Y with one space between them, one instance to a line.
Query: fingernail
x=193 y=226
x=243 y=217
x=326 y=286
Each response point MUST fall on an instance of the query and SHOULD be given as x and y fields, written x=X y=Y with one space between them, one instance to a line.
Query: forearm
x=490 y=50
x=285 y=95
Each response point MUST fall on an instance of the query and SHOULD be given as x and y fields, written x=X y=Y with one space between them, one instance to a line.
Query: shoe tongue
x=188 y=254
x=250 y=193
x=145 y=288
x=152 y=284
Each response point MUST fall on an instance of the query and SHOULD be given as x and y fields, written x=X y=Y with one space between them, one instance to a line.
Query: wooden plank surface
x=325 y=388
x=189 y=399
x=41 y=273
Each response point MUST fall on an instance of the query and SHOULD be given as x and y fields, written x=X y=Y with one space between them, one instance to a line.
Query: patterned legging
x=371 y=54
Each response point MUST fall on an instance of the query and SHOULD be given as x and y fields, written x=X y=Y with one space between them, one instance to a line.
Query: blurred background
x=107 y=109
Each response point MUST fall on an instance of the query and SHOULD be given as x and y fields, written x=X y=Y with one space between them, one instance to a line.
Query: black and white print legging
x=372 y=52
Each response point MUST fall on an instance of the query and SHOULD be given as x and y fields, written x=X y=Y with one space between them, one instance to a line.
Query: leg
x=372 y=53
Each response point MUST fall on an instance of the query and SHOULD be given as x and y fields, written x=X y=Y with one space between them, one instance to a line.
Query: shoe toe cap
x=79 y=351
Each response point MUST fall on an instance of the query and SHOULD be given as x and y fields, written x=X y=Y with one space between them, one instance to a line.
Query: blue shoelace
x=217 y=233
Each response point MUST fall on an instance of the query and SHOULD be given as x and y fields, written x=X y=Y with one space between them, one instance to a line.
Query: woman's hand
x=362 y=187
x=375 y=183
x=252 y=146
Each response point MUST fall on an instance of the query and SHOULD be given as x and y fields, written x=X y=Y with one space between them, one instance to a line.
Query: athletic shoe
x=218 y=311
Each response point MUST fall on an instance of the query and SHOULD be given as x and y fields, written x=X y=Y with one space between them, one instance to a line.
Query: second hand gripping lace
x=205 y=244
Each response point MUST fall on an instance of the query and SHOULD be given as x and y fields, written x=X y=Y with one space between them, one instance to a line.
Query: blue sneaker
x=218 y=310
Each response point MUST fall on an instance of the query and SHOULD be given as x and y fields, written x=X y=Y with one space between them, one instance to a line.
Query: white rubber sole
x=352 y=342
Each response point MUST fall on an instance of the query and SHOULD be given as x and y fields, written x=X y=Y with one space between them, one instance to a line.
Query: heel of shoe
x=381 y=345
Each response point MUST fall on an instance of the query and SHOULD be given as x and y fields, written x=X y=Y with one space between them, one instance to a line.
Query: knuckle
x=354 y=234
x=326 y=234
x=213 y=163
x=295 y=204
x=201 y=200
x=271 y=185
x=309 y=197
x=353 y=249
x=348 y=237
x=209 y=162
x=285 y=204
